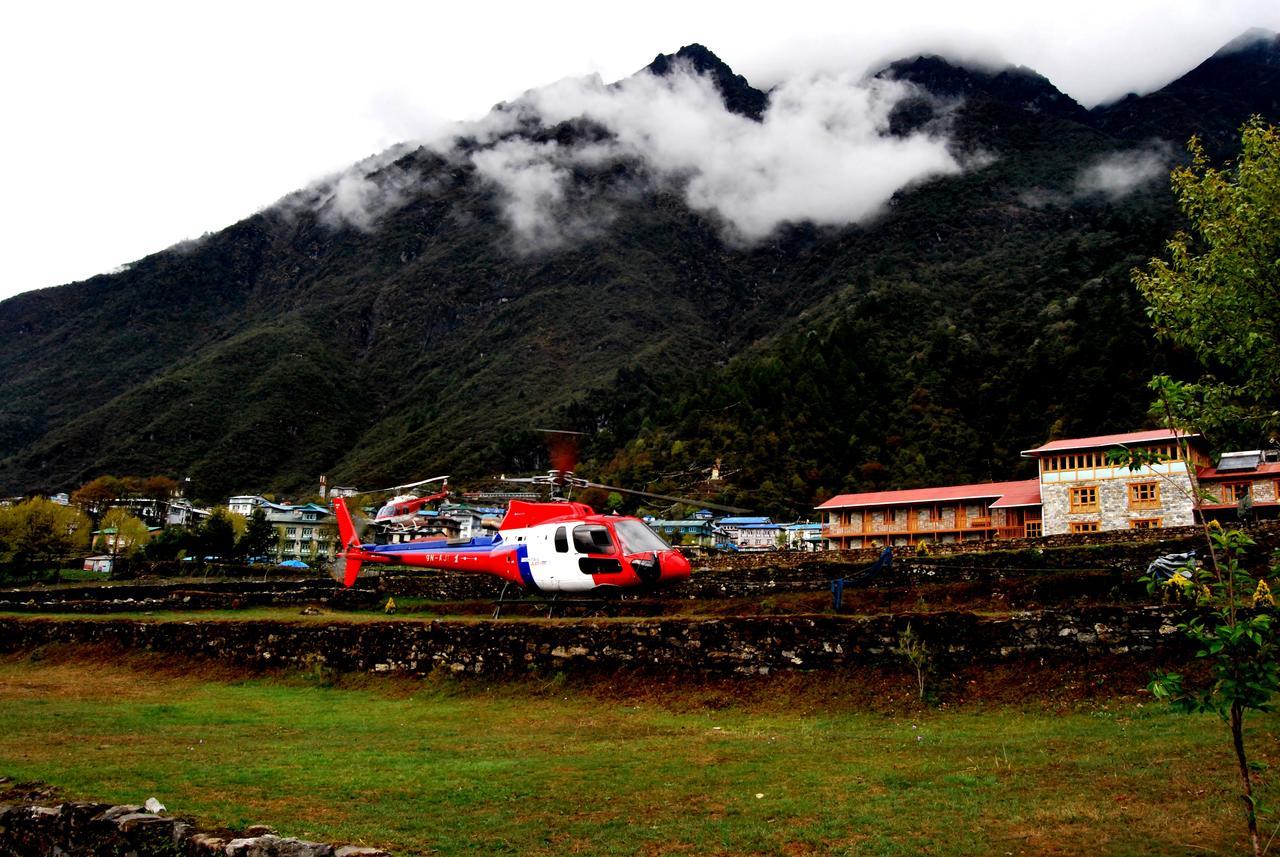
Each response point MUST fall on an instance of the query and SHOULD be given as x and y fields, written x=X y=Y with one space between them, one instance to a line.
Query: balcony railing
x=919 y=527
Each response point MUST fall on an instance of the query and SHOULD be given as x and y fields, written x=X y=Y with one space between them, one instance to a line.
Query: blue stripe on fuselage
x=522 y=563
x=484 y=543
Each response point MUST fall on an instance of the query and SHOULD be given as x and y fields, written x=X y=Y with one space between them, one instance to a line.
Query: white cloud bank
x=821 y=154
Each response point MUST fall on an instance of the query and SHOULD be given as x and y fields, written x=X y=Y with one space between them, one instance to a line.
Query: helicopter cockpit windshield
x=387 y=511
x=638 y=538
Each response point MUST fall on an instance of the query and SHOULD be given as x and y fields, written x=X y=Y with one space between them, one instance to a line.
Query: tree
x=217 y=535
x=259 y=537
x=122 y=535
x=159 y=487
x=1236 y=635
x=1218 y=292
x=168 y=544
x=41 y=532
x=1217 y=296
x=94 y=496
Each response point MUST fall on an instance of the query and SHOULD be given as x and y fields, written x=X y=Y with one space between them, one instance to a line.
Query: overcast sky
x=130 y=126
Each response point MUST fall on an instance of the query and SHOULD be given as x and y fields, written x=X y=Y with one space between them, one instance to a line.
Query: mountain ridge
x=285 y=346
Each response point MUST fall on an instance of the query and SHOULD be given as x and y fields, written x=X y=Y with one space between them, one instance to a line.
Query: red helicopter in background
x=553 y=547
x=404 y=508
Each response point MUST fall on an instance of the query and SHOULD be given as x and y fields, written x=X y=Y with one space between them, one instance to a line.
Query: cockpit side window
x=562 y=540
x=592 y=538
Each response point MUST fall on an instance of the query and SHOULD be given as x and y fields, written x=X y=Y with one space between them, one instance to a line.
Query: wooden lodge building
x=1077 y=491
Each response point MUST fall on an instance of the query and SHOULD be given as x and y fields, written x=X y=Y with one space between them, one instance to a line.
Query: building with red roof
x=1078 y=490
x=1081 y=491
x=1241 y=481
x=948 y=513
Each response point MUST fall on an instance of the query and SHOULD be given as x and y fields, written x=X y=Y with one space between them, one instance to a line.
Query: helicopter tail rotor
x=344 y=569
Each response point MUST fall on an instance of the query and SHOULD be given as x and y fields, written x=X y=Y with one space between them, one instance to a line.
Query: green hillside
x=978 y=315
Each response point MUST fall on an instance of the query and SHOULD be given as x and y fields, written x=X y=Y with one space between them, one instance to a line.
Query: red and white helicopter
x=403 y=508
x=540 y=547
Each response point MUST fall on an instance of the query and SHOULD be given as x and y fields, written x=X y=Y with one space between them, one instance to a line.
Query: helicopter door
x=595 y=548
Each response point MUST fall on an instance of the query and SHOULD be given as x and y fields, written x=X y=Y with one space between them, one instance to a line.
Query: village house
x=1243 y=484
x=761 y=536
x=1078 y=490
x=452 y=521
x=1081 y=491
x=803 y=536
x=303 y=532
x=741 y=531
x=952 y=513
x=700 y=532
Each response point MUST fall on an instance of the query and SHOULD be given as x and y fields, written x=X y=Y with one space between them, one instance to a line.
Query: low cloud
x=1119 y=174
x=822 y=153
x=359 y=195
x=535 y=182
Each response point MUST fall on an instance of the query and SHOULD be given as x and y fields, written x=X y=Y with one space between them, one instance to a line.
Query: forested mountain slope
x=983 y=307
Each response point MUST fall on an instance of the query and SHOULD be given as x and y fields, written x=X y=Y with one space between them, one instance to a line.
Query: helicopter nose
x=675 y=566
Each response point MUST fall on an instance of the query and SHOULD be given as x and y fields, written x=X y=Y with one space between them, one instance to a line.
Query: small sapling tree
x=1236 y=634
x=916 y=652
x=1216 y=297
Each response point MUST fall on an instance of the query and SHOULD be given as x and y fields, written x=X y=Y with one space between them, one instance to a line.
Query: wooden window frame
x=1146 y=523
x=1075 y=505
x=1139 y=502
x=1038 y=526
x=1235 y=498
x=935 y=513
x=1078 y=527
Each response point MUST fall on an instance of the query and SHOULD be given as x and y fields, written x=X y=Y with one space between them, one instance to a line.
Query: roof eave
x=910 y=502
x=1173 y=435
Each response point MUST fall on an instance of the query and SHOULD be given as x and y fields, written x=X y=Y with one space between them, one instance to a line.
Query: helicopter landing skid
x=592 y=606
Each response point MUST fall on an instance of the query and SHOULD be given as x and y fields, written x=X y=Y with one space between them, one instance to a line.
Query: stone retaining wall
x=187 y=595
x=1266 y=533
x=1124 y=555
x=740 y=645
x=78 y=829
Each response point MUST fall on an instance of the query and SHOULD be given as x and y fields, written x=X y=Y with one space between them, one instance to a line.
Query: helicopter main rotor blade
x=686 y=500
x=406 y=485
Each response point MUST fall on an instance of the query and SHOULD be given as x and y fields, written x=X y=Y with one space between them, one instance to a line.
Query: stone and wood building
x=1078 y=490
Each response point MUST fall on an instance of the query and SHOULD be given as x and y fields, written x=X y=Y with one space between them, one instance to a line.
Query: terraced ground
x=1020 y=756
x=800 y=764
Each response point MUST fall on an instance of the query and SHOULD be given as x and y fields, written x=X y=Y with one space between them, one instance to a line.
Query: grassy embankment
x=549 y=769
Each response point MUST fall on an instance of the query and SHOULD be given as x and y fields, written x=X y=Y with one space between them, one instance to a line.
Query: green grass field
x=439 y=767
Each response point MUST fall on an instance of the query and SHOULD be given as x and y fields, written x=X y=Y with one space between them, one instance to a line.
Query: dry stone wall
x=79 y=829
x=186 y=595
x=740 y=645
x=1125 y=555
